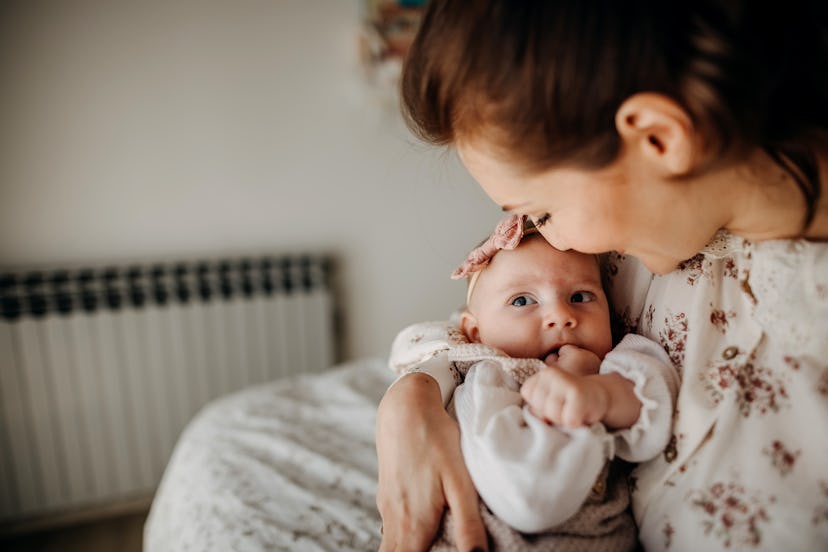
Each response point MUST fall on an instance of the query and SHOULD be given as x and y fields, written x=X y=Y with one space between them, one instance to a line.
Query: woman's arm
x=421 y=469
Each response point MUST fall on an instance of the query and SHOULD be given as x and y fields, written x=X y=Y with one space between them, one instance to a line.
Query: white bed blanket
x=289 y=465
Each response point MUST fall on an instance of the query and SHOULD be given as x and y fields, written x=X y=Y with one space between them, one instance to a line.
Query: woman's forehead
x=479 y=156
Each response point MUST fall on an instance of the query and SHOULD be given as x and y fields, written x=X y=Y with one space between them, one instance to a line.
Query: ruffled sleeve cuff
x=644 y=362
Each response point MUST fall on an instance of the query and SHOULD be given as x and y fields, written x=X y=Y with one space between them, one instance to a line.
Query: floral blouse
x=746 y=326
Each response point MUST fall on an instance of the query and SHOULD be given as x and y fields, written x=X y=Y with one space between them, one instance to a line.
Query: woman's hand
x=421 y=470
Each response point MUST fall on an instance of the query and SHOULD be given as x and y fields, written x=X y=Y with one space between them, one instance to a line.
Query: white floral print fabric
x=746 y=326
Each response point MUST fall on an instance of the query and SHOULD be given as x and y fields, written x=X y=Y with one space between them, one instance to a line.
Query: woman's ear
x=469 y=326
x=659 y=131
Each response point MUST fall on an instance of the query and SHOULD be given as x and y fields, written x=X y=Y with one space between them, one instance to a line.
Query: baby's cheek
x=513 y=341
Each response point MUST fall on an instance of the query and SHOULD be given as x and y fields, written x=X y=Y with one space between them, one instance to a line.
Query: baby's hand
x=566 y=399
x=575 y=360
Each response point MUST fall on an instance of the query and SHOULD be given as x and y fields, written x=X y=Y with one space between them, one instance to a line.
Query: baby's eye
x=582 y=297
x=541 y=220
x=522 y=301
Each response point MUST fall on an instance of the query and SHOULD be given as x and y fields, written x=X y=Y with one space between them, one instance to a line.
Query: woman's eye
x=522 y=301
x=582 y=297
x=541 y=220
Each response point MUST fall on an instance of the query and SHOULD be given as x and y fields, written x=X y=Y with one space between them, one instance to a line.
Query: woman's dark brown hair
x=543 y=79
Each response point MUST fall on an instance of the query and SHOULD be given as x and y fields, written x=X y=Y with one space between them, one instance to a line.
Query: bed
x=287 y=465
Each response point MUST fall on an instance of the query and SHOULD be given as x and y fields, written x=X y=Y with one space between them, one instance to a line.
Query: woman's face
x=617 y=208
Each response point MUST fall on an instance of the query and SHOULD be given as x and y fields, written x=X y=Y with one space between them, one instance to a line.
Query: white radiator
x=100 y=369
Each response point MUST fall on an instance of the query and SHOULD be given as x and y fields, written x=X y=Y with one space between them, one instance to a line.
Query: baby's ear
x=469 y=326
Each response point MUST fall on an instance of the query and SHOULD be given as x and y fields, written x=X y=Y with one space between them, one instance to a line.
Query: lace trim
x=785 y=279
x=724 y=244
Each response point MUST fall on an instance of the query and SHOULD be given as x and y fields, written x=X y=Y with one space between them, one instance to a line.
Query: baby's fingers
x=574 y=413
x=535 y=389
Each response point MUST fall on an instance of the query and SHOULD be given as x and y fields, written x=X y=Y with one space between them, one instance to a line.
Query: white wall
x=179 y=129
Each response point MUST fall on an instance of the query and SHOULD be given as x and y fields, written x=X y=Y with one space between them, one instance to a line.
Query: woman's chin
x=659 y=265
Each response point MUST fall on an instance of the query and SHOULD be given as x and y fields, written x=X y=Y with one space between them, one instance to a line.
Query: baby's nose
x=560 y=315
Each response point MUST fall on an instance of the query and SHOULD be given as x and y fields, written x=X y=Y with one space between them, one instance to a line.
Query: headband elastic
x=507 y=235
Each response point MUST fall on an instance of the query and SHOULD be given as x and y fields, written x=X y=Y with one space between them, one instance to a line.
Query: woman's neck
x=818 y=230
x=769 y=202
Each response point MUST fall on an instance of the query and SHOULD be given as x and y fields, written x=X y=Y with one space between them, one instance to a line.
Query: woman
x=690 y=137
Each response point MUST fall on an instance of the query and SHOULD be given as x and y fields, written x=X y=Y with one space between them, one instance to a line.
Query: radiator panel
x=101 y=368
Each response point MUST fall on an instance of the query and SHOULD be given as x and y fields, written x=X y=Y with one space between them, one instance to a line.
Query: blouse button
x=730 y=353
x=671 y=451
x=598 y=488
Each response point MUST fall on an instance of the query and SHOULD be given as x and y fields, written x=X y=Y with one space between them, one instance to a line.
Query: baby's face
x=530 y=301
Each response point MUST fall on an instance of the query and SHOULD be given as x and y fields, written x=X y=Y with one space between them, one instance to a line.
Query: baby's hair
x=542 y=80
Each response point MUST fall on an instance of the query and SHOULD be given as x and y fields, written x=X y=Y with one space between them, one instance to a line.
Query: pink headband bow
x=507 y=235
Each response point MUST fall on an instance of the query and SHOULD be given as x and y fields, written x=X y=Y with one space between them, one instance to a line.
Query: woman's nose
x=560 y=315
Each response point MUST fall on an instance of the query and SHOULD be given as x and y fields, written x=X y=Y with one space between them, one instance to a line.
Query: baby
x=540 y=396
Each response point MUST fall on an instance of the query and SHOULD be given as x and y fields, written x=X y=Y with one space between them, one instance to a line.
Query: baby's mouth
x=551 y=356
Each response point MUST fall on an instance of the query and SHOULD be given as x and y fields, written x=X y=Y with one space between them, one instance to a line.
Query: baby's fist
x=575 y=360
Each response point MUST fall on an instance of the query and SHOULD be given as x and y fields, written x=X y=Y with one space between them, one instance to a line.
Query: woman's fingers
x=410 y=521
x=405 y=538
x=469 y=531
x=418 y=449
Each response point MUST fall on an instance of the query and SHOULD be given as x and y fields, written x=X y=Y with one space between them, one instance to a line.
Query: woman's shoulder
x=730 y=256
x=787 y=268
x=779 y=287
x=786 y=278
x=788 y=275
